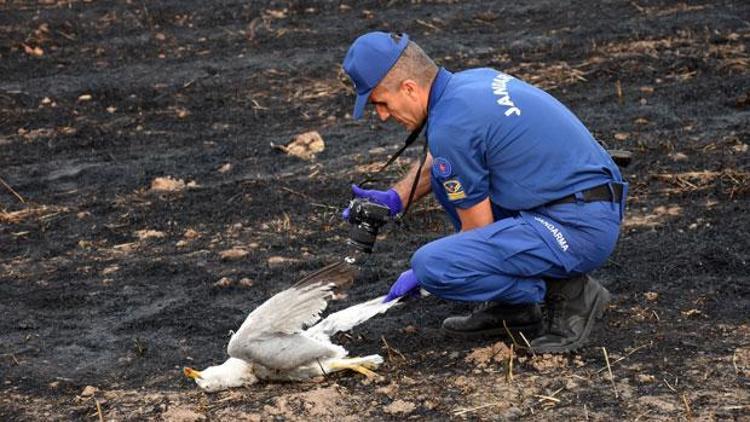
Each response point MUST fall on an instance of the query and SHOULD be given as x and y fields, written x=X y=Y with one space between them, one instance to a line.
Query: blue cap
x=368 y=60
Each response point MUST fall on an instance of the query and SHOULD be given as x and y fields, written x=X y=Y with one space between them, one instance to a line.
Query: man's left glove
x=407 y=283
x=389 y=198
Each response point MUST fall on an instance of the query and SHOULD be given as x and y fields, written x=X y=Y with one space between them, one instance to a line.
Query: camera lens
x=362 y=236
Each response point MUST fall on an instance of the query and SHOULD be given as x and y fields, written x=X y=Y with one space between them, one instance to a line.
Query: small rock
x=149 y=234
x=89 y=391
x=280 y=261
x=54 y=384
x=622 y=136
x=645 y=378
x=677 y=156
x=224 y=282
x=408 y=380
x=571 y=384
x=692 y=312
x=110 y=270
x=387 y=390
x=246 y=282
x=400 y=407
x=409 y=329
x=225 y=168
x=651 y=296
x=233 y=254
x=167 y=184
x=482 y=356
x=191 y=234
x=305 y=145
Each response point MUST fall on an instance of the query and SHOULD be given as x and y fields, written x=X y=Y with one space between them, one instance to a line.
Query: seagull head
x=232 y=373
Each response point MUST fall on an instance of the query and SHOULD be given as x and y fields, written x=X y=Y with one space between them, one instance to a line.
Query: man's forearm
x=403 y=186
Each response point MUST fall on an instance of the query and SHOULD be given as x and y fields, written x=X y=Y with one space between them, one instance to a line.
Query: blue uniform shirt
x=492 y=135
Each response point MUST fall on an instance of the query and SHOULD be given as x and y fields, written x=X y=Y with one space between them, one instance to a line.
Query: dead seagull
x=272 y=343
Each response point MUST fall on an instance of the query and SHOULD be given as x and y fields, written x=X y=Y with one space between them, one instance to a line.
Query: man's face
x=401 y=104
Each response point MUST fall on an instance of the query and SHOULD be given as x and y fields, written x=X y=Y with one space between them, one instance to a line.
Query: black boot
x=572 y=305
x=487 y=320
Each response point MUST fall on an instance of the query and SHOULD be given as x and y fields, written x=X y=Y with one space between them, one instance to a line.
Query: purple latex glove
x=407 y=283
x=389 y=198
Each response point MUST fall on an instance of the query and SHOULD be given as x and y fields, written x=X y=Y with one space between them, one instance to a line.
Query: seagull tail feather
x=340 y=274
x=346 y=319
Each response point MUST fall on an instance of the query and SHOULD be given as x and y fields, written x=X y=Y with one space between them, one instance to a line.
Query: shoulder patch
x=454 y=190
x=442 y=167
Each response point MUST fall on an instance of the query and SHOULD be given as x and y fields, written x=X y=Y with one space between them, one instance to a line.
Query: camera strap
x=407 y=143
x=416 y=182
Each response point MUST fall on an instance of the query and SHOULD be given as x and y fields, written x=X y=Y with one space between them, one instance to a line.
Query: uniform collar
x=438 y=87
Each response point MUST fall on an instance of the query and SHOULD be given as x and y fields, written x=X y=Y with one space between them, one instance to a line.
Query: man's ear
x=410 y=87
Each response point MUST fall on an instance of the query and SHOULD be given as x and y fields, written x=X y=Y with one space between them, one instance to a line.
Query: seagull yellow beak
x=192 y=373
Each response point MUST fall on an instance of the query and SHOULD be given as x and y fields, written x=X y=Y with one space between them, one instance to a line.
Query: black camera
x=366 y=218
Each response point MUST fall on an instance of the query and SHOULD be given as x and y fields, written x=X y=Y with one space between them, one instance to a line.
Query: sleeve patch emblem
x=442 y=167
x=454 y=190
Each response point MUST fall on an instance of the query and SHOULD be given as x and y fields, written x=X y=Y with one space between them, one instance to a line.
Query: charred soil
x=110 y=283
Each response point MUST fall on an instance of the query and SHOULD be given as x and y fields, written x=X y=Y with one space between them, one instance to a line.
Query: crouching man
x=536 y=202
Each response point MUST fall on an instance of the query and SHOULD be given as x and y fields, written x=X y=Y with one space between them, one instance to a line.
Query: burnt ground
x=105 y=282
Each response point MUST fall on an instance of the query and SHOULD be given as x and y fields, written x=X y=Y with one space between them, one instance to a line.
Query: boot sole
x=600 y=305
x=529 y=331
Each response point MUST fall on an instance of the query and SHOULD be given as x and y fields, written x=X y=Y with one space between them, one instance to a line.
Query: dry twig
x=13 y=191
x=428 y=25
x=510 y=365
x=669 y=385
x=611 y=376
x=649 y=344
x=642 y=415
x=688 y=412
x=99 y=410
x=391 y=350
x=304 y=195
x=543 y=398
x=473 y=409
x=507 y=330
x=653 y=312
x=523 y=337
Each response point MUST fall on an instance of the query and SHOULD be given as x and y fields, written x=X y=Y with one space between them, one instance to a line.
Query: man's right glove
x=389 y=198
x=407 y=283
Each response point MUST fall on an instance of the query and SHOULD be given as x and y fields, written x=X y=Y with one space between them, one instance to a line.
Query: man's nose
x=383 y=114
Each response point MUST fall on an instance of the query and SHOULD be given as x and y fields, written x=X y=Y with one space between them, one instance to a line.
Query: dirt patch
x=136 y=153
x=495 y=353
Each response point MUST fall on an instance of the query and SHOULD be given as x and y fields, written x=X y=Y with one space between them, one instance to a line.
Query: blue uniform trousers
x=508 y=260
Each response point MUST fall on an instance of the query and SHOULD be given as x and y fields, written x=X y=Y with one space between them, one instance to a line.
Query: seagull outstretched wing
x=272 y=334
